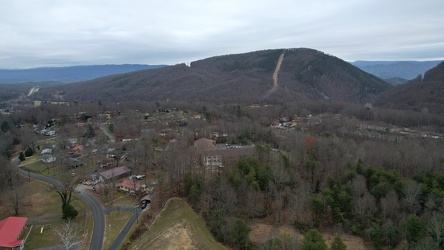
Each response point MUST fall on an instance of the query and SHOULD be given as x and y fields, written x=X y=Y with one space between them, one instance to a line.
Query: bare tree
x=280 y=175
x=16 y=199
x=299 y=203
x=65 y=189
x=435 y=228
x=389 y=205
x=364 y=206
x=411 y=193
x=69 y=236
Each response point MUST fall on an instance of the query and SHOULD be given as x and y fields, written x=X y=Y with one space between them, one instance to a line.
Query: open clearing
x=42 y=207
x=261 y=233
x=177 y=227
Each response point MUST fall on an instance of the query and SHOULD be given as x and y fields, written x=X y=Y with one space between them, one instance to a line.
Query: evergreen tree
x=240 y=232
x=22 y=156
x=338 y=244
x=28 y=152
x=313 y=240
x=5 y=126
x=69 y=212
x=415 y=229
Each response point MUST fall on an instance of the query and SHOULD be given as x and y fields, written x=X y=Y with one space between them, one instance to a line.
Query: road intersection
x=98 y=211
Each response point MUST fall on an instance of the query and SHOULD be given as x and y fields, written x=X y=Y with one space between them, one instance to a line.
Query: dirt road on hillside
x=275 y=77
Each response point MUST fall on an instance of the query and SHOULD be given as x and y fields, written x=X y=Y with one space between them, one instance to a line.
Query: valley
x=258 y=150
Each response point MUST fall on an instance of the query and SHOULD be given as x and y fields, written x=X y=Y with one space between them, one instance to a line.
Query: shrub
x=69 y=212
x=22 y=156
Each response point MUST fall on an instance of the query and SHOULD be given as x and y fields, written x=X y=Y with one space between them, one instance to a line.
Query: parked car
x=140 y=177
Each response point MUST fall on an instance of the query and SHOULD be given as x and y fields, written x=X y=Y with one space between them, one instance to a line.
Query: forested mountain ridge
x=68 y=74
x=424 y=95
x=391 y=69
x=240 y=78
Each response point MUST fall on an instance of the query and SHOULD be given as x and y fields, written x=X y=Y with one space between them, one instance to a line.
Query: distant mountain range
x=423 y=95
x=278 y=75
x=68 y=74
x=395 y=71
x=268 y=76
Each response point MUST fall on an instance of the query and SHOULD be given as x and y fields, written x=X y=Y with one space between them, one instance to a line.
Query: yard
x=42 y=207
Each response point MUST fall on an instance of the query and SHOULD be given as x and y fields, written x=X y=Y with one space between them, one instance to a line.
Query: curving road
x=96 y=207
x=98 y=212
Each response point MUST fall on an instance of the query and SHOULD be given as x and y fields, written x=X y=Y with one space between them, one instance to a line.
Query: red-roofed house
x=77 y=148
x=130 y=186
x=10 y=230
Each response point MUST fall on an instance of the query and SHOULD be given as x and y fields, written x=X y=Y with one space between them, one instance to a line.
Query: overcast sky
x=38 y=33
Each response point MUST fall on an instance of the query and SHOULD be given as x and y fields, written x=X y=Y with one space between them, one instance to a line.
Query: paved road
x=98 y=217
x=96 y=207
x=136 y=211
x=107 y=133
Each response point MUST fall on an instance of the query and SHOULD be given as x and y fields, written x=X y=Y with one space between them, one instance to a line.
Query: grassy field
x=177 y=227
x=42 y=207
x=115 y=221
x=39 y=167
x=121 y=199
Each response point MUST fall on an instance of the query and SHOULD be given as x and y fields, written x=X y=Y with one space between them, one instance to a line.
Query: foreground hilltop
x=269 y=75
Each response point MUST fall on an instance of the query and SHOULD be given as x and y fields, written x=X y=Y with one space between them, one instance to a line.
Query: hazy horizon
x=75 y=33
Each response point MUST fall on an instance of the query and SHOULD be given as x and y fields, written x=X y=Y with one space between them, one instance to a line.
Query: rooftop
x=114 y=172
x=205 y=144
x=10 y=229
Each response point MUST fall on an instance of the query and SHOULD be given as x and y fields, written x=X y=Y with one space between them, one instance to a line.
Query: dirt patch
x=178 y=236
x=261 y=233
x=352 y=242
x=44 y=218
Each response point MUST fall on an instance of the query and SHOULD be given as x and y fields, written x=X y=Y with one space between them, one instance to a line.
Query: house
x=72 y=142
x=114 y=173
x=214 y=158
x=131 y=186
x=48 y=158
x=46 y=151
x=77 y=149
x=47 y=132
x=73 y=163
x=209 y=155
x=10 y=230
x=205 y=144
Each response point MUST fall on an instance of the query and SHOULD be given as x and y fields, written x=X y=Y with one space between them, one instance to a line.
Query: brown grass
x=177 y=226
x=115 y=222
x=261 y=233
x=42 y=207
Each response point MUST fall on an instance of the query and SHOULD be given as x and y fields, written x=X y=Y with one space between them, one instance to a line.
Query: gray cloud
x=73 y=32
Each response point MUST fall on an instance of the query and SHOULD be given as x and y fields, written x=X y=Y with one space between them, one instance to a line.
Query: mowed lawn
x=42 y=207
x=177 y=227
